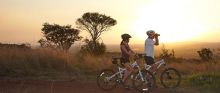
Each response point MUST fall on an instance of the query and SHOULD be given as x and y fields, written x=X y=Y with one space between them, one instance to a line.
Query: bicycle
x=142 y=80
x=169 y=78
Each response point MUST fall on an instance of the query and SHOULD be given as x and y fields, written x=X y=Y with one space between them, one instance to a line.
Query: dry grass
x=191 y=66
x=54 y=64
x=30 y=62
x=47 y=62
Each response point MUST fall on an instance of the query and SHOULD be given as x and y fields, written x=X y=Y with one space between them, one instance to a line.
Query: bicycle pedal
x=119 y=81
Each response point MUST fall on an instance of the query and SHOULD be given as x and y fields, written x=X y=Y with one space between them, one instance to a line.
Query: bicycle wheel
x=170 y=78
x=103 y=82
x=146 y=84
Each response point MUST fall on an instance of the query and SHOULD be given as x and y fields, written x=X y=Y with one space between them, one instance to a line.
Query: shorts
x=149 y=60
x=124 y=60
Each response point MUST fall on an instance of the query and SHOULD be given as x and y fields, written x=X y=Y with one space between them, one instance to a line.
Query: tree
x=95 y=24
x=205 y=54
x=61 y=37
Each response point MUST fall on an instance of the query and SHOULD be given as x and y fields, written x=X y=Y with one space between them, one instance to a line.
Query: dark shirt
x=124 y=53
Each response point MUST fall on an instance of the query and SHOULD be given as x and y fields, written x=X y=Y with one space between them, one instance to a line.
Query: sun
x=172 y=24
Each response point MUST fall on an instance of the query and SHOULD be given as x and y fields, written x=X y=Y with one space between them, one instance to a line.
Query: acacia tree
x=95 y=24
x=56 y=36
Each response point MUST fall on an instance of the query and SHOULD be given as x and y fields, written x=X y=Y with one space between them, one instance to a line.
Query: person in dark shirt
x=126 y=52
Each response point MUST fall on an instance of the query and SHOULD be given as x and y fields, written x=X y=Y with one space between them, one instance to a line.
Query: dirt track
x=18 y=86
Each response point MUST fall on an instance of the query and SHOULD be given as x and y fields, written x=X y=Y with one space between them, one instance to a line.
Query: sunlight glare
x=174 y=24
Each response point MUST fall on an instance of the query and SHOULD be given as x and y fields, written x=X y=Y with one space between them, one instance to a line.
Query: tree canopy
x=57 y=36
x=95 y=24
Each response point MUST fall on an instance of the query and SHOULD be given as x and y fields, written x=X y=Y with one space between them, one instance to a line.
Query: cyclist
x=126 y=52
x=149 y=47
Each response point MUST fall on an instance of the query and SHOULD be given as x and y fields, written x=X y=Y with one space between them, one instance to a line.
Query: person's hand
x=156 y=35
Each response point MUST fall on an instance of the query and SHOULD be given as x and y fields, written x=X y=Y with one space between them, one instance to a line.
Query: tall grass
x=22 y=62
x=192 y=66
x=46 y=62
x=197 y=74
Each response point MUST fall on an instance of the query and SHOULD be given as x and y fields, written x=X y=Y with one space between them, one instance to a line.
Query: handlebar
x=137 y=56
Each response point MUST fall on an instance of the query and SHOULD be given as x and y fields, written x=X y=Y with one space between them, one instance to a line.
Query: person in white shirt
x=150 y=42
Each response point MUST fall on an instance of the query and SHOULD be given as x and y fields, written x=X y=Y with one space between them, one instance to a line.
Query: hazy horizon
x=184 y=50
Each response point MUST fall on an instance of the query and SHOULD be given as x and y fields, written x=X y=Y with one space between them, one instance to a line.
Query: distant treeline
x=20 y=46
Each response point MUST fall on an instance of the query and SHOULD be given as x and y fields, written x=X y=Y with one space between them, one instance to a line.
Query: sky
x=175 y=20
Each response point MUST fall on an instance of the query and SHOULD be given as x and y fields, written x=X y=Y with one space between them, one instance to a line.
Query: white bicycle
x=142 y=80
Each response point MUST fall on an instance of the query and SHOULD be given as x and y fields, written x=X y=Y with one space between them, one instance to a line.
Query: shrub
x=205 y=54
x=92 y=48
x=167 y=53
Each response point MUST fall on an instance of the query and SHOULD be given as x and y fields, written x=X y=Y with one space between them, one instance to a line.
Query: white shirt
x=149 y=47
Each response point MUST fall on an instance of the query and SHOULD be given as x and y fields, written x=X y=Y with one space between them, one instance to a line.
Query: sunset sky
x=176 y=20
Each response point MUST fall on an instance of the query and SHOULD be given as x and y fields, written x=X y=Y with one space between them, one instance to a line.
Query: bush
x=167 y=53
x=205 y=54
x=92 y=48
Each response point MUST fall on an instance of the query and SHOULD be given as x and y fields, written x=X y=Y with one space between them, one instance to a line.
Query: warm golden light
x=175 y=20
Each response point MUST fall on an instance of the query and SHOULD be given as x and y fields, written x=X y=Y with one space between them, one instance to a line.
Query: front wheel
x=170 y=78
x=104 y=81
x=143 y=81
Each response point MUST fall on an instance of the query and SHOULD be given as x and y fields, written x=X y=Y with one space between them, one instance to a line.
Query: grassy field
x=57 y=65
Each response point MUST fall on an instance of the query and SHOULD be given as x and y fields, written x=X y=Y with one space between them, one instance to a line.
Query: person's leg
x=150 y=61
x=128 y=72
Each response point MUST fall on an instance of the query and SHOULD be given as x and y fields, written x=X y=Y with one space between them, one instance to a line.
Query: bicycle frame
x=158 y=63
x=121 y=70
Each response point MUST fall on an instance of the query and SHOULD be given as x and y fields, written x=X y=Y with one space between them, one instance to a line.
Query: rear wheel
x=170 y=78
x=146 y=84
x=103 y=80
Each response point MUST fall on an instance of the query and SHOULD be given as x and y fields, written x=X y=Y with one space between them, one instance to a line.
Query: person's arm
x=131 y=51
x=156 y=40
x=124 y=49
x=145 y=47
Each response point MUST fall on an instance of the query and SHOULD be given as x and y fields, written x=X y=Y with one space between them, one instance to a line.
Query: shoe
x=145 y=90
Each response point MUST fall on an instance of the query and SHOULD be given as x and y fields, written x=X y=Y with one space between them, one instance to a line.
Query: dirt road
x=21 y=86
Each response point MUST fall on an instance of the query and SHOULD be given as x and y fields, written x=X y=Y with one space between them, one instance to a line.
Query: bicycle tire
x=166 y=74
x=149 y=81
x=102 y=83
